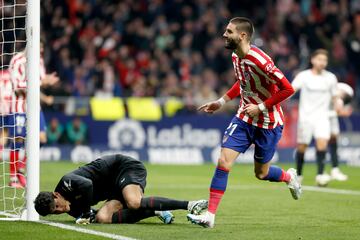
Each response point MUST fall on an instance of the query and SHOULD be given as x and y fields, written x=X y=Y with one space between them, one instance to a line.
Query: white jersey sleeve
x=334 y=82
x=298 y=81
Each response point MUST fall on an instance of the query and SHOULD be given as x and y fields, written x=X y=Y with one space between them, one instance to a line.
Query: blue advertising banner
x=191 y=139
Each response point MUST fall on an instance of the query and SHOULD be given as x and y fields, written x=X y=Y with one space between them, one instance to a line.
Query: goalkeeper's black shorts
x=129 y=171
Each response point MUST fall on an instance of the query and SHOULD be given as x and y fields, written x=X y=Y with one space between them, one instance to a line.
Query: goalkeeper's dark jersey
x=102 y=179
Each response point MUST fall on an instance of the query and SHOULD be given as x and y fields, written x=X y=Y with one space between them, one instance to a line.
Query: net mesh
x=12 y=41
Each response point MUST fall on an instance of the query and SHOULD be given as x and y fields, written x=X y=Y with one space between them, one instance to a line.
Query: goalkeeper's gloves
x=86 y=218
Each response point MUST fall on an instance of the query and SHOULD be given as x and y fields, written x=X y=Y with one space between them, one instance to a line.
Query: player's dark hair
x=44 y=203
x=320 y=51
x=243 y=24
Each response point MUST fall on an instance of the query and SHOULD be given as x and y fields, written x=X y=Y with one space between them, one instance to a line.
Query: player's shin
x=131 y=216
x=299 y=162
x=277 y=174
x=320 y=159
x=21 y=168
x=161 y=203
x=217 y=188
x=14 y=157
x=333 y=153
x=14 y=160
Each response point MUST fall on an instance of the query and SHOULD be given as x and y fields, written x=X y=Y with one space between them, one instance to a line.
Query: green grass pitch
x=250 y=209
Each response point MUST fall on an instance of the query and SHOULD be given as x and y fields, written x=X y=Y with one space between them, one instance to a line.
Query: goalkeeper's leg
x=134 y=199
x=113 y=212
x=133 y=196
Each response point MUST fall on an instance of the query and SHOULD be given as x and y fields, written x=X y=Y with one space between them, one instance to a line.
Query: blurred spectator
x=205 y=95
x=54 y=132
x=155 y=48
x=76 y=131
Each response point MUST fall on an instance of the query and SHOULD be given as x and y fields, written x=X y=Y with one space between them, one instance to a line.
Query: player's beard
x=230 y=43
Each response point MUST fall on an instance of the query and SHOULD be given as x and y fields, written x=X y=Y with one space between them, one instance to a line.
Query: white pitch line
x=245 y=187
x=12 y=217
x=87 y=231
x=330 y=190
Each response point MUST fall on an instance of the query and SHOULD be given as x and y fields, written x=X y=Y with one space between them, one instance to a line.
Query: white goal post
x=33 y=106
x=17 y=203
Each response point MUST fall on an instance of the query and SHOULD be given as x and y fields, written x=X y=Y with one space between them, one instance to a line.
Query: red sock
x=14 y=159
x=21 y=171
x=214 y=200
x=21 y=164
x=285 y=177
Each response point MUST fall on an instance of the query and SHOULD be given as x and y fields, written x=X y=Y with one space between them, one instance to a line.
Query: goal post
x=33 y=106
x=19 y=26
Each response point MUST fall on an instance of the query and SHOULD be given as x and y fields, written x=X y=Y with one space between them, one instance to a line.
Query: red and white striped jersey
x=6 y=92
x=260 y=81
x=17 y=70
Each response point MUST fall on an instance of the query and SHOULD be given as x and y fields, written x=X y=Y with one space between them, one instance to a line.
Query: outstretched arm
x=211 y=107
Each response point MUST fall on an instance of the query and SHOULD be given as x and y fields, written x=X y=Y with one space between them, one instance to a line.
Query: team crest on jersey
x=269 y=67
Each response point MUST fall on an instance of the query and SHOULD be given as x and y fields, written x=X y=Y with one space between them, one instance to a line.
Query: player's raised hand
x=48 y=100
x=210 y=107
x=50 y=79
x=252 y=110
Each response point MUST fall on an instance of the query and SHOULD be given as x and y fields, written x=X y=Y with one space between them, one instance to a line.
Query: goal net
x=14 y=108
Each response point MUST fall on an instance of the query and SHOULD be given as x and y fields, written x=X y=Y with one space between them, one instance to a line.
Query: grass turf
x=250 y=209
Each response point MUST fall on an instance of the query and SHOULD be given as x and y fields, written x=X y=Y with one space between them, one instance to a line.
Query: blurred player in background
x=6 y=95
x=118 y=179
x=17 y=69
x=345 y=95
x=318 y=92
x=259 y=120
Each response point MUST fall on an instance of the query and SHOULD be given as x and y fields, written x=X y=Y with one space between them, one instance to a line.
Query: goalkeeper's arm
x=73 y=186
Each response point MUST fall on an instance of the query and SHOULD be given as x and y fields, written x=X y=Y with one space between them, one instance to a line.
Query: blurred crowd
x=175 y=48
x=74 y=132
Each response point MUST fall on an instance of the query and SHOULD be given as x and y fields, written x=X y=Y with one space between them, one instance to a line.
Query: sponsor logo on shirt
x=68 y=185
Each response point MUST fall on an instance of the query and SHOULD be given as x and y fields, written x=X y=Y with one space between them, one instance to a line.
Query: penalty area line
x=87 y=231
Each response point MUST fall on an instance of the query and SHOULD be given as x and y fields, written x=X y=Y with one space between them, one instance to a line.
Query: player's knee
x=260 y=174
x=301 y=149
x=333 y=139
x=133 y=203
x=223 y=163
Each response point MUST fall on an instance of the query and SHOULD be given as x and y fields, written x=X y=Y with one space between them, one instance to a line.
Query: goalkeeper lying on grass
x=118 y=179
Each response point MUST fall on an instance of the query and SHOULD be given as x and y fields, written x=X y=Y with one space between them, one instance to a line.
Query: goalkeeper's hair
x=44 y=203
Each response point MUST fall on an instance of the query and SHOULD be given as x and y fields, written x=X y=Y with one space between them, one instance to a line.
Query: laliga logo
x=126 y=133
